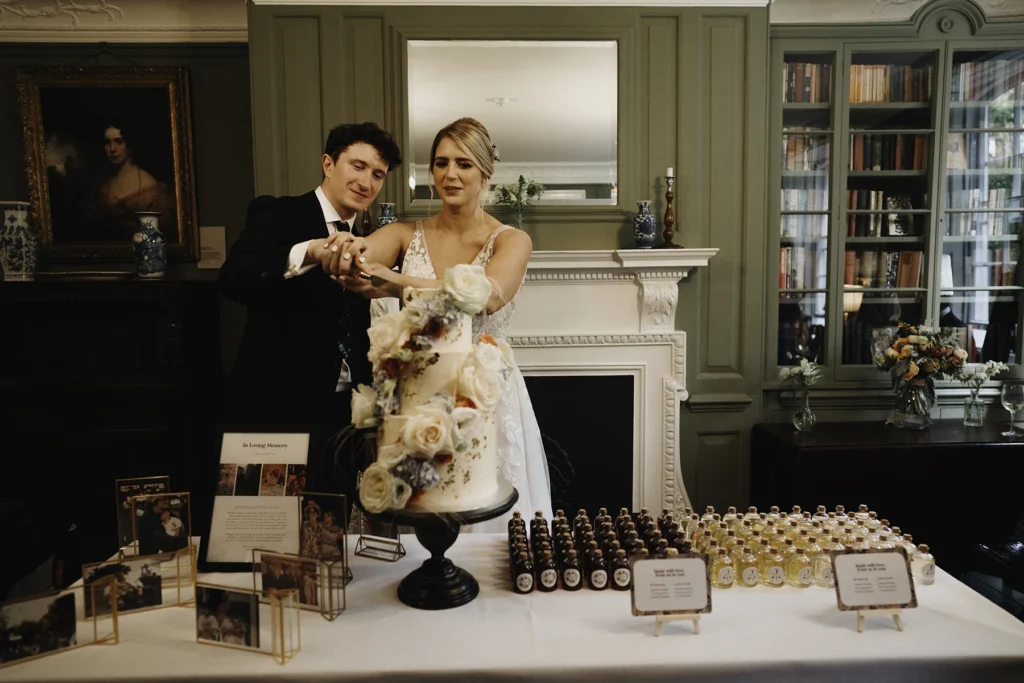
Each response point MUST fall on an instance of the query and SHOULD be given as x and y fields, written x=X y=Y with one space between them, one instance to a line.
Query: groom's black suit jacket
x=288 y=362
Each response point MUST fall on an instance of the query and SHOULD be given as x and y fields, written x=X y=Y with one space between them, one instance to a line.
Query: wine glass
x=1013 y=400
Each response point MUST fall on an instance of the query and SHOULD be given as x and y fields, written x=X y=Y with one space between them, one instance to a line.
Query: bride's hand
x=372 y=270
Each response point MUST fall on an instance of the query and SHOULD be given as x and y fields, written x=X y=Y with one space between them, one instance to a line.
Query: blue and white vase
x=149 y=246
x=387 y=214
x=18 y=242
x=645 y=225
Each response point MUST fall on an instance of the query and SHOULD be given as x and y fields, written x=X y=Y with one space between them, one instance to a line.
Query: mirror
x=551 y=108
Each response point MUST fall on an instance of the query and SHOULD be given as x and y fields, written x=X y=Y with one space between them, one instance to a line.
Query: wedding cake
x=433 y=401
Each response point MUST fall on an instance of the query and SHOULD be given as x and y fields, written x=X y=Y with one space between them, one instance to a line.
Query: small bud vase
x=974 y=410
x=804 y=419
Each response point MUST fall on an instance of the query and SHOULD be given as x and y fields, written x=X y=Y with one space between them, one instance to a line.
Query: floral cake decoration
x=445 y=424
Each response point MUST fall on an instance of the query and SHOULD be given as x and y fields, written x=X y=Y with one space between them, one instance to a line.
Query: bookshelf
x=899 y=179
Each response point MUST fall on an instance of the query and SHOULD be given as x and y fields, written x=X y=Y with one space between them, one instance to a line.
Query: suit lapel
x=313 y=224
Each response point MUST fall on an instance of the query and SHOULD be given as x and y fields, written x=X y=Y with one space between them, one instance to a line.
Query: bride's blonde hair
x=471 y=136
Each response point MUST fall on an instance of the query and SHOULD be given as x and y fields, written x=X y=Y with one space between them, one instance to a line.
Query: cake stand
x=438 y=583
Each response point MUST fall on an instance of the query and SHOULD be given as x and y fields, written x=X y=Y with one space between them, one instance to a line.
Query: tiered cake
x=434 y=400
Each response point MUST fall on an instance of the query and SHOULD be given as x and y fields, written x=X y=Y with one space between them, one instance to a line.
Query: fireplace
x=609 y=316
x=589 y=442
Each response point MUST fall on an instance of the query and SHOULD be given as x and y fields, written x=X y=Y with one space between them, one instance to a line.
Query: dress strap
x=488 y=249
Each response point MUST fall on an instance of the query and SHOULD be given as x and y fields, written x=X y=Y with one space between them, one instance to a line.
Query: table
x=757 y=634
x=935 y=484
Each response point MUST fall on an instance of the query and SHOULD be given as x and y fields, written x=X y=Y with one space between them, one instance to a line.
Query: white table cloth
x=757 y=635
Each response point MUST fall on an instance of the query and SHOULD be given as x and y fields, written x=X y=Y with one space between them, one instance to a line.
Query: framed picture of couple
x=101 y=145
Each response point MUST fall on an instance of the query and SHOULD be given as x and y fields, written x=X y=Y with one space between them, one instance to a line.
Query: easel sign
x=672 y=589
x=874 y=582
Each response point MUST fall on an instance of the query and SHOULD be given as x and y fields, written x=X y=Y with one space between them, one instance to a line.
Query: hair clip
x=495 y=153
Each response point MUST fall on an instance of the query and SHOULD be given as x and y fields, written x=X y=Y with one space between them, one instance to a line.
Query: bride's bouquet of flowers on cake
x=414 y=449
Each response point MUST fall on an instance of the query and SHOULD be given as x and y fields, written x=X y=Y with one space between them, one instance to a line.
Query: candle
x=670 y=174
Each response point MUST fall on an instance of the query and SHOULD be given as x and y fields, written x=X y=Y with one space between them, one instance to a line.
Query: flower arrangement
x=412 y=450
x=518 y=195
x=917 y=353
x=974 y=377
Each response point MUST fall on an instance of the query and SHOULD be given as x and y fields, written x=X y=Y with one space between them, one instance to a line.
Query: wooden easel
x=894 y=613
x=662 y=618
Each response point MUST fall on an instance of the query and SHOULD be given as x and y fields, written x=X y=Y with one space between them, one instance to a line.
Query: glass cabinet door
x=980 y=281
x=807 y=152
x=887 y=209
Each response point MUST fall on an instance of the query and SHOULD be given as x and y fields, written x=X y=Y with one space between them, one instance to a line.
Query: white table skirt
x=753 y=635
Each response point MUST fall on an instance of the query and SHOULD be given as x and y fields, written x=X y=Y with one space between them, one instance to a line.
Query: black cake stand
x=438 y=583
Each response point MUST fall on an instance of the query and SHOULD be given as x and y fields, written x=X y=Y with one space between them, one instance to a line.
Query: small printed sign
x=675 y=585
x=873 y=579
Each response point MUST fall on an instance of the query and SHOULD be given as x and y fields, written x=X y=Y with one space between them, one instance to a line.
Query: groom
x=305 y=342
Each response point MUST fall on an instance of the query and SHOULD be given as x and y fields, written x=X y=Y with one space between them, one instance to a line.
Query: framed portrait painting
x=103 y=144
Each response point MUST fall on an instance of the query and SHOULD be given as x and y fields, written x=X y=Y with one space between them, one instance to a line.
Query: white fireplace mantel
x=613 y=313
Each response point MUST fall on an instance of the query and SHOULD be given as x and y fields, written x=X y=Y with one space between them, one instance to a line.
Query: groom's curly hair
x=345 y=135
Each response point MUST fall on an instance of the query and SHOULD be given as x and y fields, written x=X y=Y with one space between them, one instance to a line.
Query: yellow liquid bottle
x=801 y=540
x=745 y=566
x=722 y=572
x=709 y=512
x=793 y=530
x=720 y=532
x=771 y=569
x=778 y=541
x=799 y=572
x=730 y=541
x=812 y=549
x=745 y=530
x=787 y=550
x=822 y=564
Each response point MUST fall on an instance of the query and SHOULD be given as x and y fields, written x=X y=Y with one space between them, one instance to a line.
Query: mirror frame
x=630 y=103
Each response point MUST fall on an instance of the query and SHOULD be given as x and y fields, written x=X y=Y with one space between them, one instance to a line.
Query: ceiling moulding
x=869 y=11
x=123 y=21
x=523 y=3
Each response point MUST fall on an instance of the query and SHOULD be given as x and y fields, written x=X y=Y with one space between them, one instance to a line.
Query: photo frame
x=379 y=539
x=273 y=571
x=162 y=523
x=268 y=629
x=103 y=144
x=243 y=493
x=51 y=623
x=125 y=490
x=323 y=530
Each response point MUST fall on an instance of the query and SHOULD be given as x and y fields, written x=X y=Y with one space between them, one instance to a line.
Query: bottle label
x=599 y=578
x=750 y=576
x=725 y=576
x=826 y=574
x=571 y=577
x=928 y=570
x=524 y=582
x=621 y=577
x=548 y=578
x=775 y=575
x=805 y=576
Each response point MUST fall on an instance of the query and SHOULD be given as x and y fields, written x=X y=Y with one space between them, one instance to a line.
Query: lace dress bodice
x=417 y=263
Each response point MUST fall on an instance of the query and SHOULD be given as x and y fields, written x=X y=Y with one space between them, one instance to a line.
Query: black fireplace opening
x=586 y=422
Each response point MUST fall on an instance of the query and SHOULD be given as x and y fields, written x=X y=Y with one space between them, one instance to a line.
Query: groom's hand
x=330 y=253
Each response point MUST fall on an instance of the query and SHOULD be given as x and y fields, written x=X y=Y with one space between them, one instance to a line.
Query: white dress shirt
x=295 y=268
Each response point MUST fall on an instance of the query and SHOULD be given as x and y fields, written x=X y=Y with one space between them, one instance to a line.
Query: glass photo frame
x=233 y=617
x=125 y=490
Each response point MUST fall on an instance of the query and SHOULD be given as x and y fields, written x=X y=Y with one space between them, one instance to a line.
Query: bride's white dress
x=521 y=458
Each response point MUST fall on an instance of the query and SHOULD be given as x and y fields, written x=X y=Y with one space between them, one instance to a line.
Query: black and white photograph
x=273 y=479
x=296 y=483
x=226 y=616
x=283 y=572
x=226 y=481
x=162 y=523
x=103 y=144
x=126 y=489
x=137 y=583
x=37 y=626
x=322 y=534
x=248 y=479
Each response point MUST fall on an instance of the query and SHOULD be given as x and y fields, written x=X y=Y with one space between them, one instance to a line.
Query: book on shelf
x=876 y=83
x=883 y=269
x=807 y=82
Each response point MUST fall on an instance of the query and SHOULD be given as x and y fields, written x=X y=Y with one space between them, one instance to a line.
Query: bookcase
x=896 y=181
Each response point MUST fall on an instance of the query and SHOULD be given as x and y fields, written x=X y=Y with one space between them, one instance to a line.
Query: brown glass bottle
x=523 y=581
x=517 y=519
x=671 y=532
x=546 y=573
x=597 y=574
x=630 y=541
x=572 y=577
x=538 y=522
x=567 y=548
x=588 y=556
x=681 y=545
x=661 y=550
x=556 y=521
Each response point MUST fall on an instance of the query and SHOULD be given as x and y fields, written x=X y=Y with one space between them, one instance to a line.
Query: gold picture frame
x=244 y=610
x=323 y=531
x=62 y=617
x=147 y=519
x=101 y=145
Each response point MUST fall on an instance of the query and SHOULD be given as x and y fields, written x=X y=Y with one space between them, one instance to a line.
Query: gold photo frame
x=323 y=530
x=103 y=144
x=125 y=490
x=140 y=583
x=379 y=539
x=233 y=617
x=319 y=585
x=37 y=626
x=153 y=532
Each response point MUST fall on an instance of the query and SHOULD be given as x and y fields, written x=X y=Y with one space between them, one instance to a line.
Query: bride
x=462 y=163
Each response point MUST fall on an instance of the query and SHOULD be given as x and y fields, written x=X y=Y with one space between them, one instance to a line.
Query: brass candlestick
x=670 y=216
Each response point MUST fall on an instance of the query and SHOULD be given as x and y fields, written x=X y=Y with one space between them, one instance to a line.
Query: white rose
x=427 y=430
x=364 y=403
x=961 y=354
x=468 y=287
x=480 y=386
x=388 y=334
x=375 y=489
x=416 y=314
x=489 y=357
x=389 y=456
x=400 y=493
x=464 y=423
